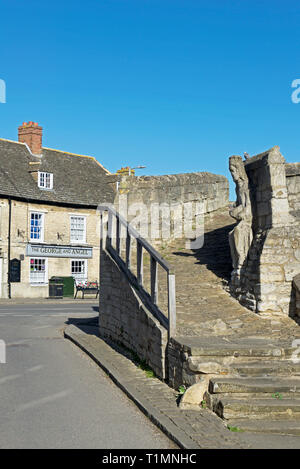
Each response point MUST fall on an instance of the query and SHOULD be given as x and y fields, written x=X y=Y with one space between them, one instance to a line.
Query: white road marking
x=40 y=327
x=35 y=368
x=11 y=344
x=9 y=378
x=44 y=400
x=22 y=315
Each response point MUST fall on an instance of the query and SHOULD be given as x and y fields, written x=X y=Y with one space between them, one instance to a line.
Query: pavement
x=53 y=396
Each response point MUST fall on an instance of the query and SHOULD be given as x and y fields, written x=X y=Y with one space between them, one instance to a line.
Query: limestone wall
x=268 y=189
x=173 y=190
x=293 y=186
x=124 y=319
x=265 y=281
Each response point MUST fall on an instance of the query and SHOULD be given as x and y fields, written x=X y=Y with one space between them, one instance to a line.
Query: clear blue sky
x=175 y=85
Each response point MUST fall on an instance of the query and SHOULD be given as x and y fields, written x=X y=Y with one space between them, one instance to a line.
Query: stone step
x=263 y=368
x=214 y=346
x=283 y=427
x=212 y=400
x=254 y=385
x=231 y=408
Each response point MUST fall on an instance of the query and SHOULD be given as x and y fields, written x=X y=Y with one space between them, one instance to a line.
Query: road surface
x=53 y=396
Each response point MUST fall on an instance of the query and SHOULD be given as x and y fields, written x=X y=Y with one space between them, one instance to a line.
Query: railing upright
x=154 y=281
x=128 y=249
x=140 y=269
x=171 y=304
x=118 y=236
x=109 y=229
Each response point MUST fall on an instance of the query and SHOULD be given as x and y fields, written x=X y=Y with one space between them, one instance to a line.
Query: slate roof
x=77 y=180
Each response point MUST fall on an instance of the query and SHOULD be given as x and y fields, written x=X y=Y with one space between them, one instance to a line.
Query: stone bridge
x=235 y=340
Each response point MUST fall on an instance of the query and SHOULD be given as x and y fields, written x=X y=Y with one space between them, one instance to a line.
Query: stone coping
x=292 y=169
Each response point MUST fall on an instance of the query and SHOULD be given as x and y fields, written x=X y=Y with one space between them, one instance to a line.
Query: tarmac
x=46 y=301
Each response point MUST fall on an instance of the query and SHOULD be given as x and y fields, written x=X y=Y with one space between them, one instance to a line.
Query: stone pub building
x=49 y=224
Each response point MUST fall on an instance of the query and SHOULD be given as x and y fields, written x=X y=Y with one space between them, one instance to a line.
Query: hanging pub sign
x=15 y=270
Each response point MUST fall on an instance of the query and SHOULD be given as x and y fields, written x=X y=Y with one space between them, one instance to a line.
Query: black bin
x=56 y=287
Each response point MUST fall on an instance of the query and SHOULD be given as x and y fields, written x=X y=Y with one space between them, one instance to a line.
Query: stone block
x=264 y=288
x=291 y=270
x=205 y=367
x=280 y=193
x=263 y=209
x=263 y=306
x=280 y=207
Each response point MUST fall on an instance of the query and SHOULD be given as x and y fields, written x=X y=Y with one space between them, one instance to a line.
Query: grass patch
x=142 y=365
x=146 y=368
x=277 y=395
x=234 y=429
x=182 y=389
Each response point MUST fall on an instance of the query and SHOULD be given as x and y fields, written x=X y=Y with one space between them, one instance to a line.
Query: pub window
x=45 y=180
x=77 y=229
x=38 y=271
x=36 y=226
x=79 y=270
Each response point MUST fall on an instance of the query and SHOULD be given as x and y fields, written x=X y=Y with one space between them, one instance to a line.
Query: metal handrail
x=155 y=259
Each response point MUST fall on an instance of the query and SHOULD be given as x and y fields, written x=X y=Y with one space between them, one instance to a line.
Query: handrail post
x=118 y=240
x=139 y=262
x=109 y=230
x=154 y=281
x=128 y=249
x=101 y=231
x=171 y=305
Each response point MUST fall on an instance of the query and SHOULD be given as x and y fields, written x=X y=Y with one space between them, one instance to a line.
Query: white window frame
x=83 y=279
x=41 y=239
x=45 y=282
x=45 y=185
x=76 y=241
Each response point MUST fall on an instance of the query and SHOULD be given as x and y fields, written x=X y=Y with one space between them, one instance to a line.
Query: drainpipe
x=8 y=250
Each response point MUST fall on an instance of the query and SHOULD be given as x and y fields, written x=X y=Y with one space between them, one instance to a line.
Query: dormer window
x=45 y=180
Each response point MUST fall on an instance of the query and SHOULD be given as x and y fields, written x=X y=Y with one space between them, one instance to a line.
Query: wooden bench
x=87 y=287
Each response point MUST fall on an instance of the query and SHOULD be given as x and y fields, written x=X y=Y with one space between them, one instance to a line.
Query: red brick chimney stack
x=31 y=133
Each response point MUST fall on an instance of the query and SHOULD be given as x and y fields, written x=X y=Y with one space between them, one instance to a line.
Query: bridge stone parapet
x=263 y=280
x=125 y=320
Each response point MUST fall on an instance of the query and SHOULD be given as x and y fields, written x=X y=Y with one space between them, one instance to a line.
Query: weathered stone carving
x=240 y=238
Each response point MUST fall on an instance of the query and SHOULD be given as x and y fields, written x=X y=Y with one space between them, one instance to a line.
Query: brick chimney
x=31 y=133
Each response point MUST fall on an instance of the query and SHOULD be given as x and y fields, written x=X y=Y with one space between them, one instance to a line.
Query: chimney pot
x=31 y=134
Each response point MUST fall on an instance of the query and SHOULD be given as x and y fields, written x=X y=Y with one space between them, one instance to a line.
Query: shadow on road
x=87 y=325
